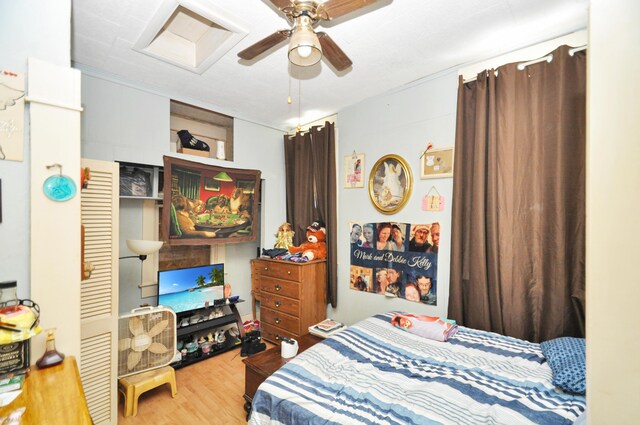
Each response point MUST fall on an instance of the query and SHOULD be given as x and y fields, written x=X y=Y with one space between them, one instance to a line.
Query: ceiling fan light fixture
x=304 y=48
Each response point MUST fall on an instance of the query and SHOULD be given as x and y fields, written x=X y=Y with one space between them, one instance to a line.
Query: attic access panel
x=190 y=34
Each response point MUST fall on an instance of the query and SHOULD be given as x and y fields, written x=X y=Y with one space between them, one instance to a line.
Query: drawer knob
x=266 y=268
x=277 y=337
x=278 y=287
x=278 y=303
x=278 y=320
x=288 y=271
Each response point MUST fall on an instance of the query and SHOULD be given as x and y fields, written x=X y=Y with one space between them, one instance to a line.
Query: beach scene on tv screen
x=190 y=288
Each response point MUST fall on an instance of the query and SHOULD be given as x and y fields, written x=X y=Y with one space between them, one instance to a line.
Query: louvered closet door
x=99 y=293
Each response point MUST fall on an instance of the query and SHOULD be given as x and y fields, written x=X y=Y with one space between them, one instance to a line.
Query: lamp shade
x=144 y=247
x=304 y=48
x=223 y=177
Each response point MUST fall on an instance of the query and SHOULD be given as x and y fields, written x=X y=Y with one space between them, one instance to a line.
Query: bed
x=373 y=372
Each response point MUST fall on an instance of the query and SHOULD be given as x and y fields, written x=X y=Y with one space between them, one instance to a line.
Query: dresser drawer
x=280 y=304
x=280 y=287
x=280 y=270
x=273 y=333
x=282 y=320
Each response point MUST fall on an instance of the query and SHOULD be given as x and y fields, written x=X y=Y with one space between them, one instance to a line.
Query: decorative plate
x=59 y=188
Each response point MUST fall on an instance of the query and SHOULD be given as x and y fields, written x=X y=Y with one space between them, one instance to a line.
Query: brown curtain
x=310 y=162
x=518 y=220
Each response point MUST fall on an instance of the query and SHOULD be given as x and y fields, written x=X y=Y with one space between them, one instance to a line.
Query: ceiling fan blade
x=332 y=9
x=281 y=4
x=264 y=44
x=333 y=53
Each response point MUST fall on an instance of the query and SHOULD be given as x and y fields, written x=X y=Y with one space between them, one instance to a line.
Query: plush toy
x=315 y=248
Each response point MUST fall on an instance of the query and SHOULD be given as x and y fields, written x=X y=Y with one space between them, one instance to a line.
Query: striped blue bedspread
x=373 y=373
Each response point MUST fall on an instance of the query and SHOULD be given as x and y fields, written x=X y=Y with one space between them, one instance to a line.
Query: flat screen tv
x=190 y=288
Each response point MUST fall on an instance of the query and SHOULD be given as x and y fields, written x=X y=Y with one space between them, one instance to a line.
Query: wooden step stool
x=133 y=386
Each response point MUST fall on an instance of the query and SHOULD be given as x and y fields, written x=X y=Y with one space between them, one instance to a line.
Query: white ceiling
x=391 y=43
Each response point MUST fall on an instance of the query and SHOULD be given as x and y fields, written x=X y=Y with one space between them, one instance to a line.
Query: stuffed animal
x=315 y=248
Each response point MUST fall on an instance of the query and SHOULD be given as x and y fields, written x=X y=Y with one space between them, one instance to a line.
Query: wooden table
x=53 y=396
x=262 y=365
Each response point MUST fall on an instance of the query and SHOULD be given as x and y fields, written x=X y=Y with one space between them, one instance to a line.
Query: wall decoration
x=206 y=204
x=433 y=201
x=396 y=259
x=354 y=170
x=59 y=187
x=390 y=184
x=436 y=163
x=11 y=115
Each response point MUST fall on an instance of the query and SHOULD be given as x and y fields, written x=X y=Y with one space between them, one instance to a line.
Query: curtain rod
x=521 y=66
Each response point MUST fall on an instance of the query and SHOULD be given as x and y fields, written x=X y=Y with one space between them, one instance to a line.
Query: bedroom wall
x=45 y=35
x=613 y=369
x=402 y=123
x=128 y=123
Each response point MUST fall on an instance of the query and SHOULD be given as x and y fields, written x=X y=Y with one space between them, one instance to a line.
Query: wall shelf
x=141 y=181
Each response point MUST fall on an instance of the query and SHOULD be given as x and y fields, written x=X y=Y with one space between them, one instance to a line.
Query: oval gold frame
x=378 y=171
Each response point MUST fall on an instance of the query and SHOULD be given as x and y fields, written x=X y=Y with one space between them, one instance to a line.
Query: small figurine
x=227 y=290
x=284 y=237
x=210 y=337
x=201 y=340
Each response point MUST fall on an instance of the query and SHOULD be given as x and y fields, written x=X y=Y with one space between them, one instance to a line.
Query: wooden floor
x=209 y=392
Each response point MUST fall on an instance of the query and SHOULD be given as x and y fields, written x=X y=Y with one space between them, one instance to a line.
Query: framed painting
x=390 y=184
x=206 y=204
x=353 y=170
x=437 y=163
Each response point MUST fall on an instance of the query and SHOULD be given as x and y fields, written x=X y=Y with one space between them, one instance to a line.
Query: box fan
x=146 y=339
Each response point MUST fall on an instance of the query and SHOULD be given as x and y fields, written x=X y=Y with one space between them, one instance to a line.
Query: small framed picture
x=354 y=170
x=390 y=184
x=437 y=163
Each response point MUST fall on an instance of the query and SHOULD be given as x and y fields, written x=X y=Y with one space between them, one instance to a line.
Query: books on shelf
x=326 y=328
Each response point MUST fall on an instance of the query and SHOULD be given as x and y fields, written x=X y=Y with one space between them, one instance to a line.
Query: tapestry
x=396 y=259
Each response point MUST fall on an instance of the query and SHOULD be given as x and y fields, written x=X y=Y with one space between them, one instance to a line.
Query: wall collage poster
x=395 y=259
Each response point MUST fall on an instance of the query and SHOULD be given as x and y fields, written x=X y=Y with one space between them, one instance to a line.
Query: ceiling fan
x=307 y=47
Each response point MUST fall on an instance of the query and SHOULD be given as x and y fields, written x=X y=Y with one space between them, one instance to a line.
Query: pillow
x=567 y=358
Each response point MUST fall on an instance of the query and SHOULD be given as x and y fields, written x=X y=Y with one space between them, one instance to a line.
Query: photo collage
x=395 y=259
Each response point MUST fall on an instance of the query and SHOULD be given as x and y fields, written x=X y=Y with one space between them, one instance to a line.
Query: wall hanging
x=436 y=163
x=59 y=188
x=353 y=170
x=390 y=184
x=11 y=115
x=205 y=204
x=395 y=259
x=433 y=201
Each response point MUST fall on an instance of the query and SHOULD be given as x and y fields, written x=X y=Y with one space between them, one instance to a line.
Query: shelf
x=206 y=324
x=198 y=356
x=200 y=327
x=141 y=181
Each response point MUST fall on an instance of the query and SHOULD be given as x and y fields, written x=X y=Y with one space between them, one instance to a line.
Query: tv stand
x=202 y=328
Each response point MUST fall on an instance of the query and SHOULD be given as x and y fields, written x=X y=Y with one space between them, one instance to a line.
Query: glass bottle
x=51 y=356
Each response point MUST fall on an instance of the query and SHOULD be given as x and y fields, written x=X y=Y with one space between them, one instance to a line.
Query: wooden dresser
x=292 y=296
